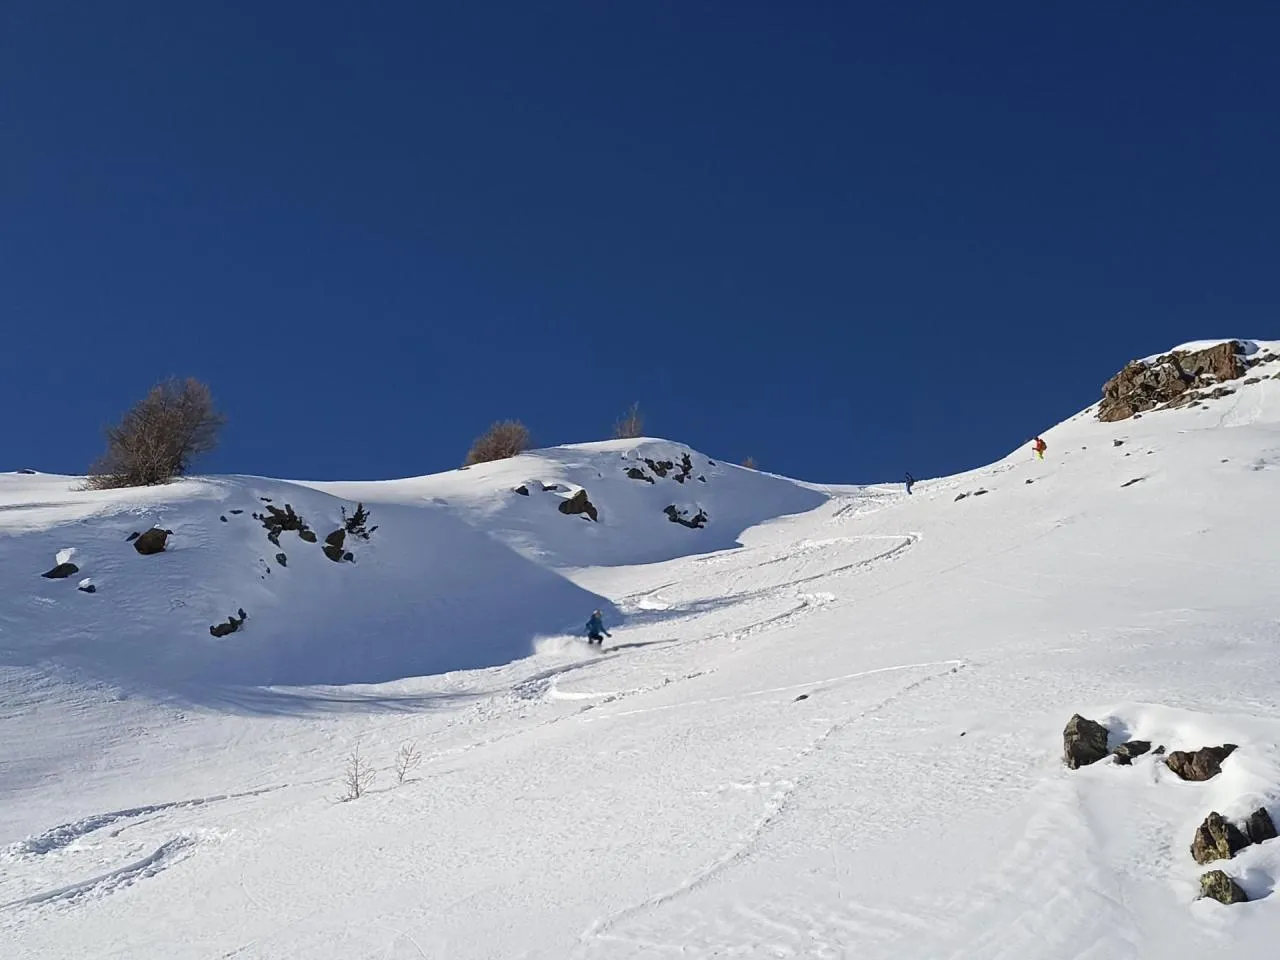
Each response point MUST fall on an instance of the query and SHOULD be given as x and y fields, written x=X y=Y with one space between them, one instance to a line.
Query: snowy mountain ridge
x=829 y=720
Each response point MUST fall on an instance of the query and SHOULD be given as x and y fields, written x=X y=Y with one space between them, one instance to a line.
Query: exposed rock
x=1217 y=839
x=635 y=473
x=959 y=497
x=697 y=522
x=660 y=467
x=578 y=504
x=1159 y=751
x=153 y=541
x=87 y=586
x=1083 y=742
x=282 y=559
x=235 y=512
x=349 y=557
x=701 y=479
x=333 y=544
x=223 y=518
x=1260 y=828
x=522 y=490
x=27 y=472
x=1202 y=764
x=1130 y=483
x=1125 y=753
x=61 y=571
x=711 y=463
x=308 y=535
x=276 y=521
x=980 y=493
x=1252 y=380
x=132 y=537
x=1216 y=885
x=1144 y=386
x=1117 y=443
x=686 y=468
x=265 y=499
x=551 y=488
x=231 y=626
x=1029 y=480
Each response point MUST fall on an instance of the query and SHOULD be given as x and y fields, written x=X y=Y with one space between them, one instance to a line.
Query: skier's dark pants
x=595 y=638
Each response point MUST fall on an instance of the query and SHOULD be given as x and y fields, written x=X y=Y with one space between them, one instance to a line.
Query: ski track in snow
x=164 y=856
x=775 y=807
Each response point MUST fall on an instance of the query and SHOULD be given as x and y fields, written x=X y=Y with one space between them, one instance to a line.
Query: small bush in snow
x=407 y=760
x=631 y=425
x=358 y=776
x=506 y=439
x=159 y=437
x=750 y=463
x=356 y=524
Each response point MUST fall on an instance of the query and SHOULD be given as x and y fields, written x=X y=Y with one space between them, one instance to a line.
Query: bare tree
x=750 y=463
x=160 y=436
x=502 y=440
x=631 y=425
x=358 y=776
x=407 y=760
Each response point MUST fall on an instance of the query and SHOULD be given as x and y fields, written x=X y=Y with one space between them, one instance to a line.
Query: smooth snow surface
x=826 y=725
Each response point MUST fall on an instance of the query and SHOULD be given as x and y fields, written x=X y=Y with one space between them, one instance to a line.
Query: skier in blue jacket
x=595 y=627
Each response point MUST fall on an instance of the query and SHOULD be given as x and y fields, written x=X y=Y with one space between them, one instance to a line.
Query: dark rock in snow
x=522 y=490
x=1249 y=381
x=660 y=467
x=307 y=535
x=1130 y=483
x=223 y=518
x=282 y=559
x=61 y=571
x=579 y=505
x=153 y=541
x=132 y=537
x=87 y=588
x=1125 y=753
x=551 y=488
x=1217 y=839
x=235 y=512
x=959 y=497
x=1159 y=751
x=635 y=473
x=1083 y=742
x=980 y=493
x=1260 y=828
x=803 y=696
x=27 y=472
x=1117 y=443
x=333 y=544
x=1202 y=764
x=1216 y=885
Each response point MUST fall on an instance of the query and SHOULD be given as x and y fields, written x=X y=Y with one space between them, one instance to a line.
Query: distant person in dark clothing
x=910 y=482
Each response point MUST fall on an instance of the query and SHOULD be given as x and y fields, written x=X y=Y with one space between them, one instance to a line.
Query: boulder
x=1083 y=742
x=1144 y=386
x=153 y=541
x=579 y=505
x=1216 y=885
x=1125 y=753
x=87 y=586
x=1217 y=839
x=276 y=521
x=61 y=571
x=333 y=545
x=1260 y=828
x=307 y=535
x=282 y=559
x=522 y=490
x=1202 y=764
x=635 y=473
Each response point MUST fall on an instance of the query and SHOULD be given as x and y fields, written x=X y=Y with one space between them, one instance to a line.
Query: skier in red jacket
x=1039 y=446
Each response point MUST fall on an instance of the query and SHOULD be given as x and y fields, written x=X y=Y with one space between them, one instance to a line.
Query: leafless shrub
x=631 y=425
x=356 y=524
x=159 y=437
x=407 y=760
x=502 y=440
x=750 y=463
x=357 y=777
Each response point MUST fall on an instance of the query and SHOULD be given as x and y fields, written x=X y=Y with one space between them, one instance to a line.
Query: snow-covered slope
x=829 y=723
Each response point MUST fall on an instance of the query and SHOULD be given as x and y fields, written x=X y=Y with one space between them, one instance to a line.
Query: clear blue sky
x=850 y=239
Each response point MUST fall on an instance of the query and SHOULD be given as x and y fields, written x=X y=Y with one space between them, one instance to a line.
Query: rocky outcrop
x=1168 y=380
x=660 y=467
x=333 y=546
x=231 y=626
x=153 y=541
x=1260 y=828
x=635 y=473
x=87 y=586
x=277 y=521
x=1083 y=742
x=1216 y=885
x=282 y=559
x=1202 y=764
x=1125 y=753
x=1217 y=839
x=522 y=490
x=579 y=505
x=61 y=571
